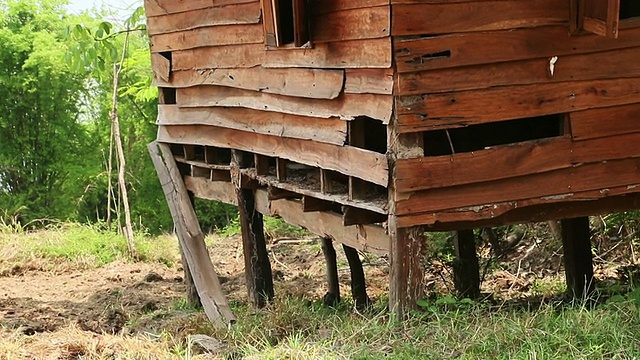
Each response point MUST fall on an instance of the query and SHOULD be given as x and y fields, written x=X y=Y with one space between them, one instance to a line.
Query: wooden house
x=372 y=121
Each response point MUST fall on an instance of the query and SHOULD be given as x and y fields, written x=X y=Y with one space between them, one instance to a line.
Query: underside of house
x=373 y=121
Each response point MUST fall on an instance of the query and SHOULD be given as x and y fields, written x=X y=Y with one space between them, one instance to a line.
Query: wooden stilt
x=190 y=236
x=358 y=286
x=466 y=270
x=332 y=297
x=407 y=271
x=578 y=261
x=256 y=259
x=192 y=293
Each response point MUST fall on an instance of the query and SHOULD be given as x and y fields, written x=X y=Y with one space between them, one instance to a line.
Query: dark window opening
x=367 y=133
x=286 y=23
x=629 y=9
x=478 y=137
x=167 y=96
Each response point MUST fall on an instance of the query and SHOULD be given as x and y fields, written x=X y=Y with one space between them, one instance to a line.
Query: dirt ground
x=142 y=298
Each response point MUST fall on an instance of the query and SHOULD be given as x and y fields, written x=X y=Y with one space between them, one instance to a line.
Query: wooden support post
x=466 y=270
x=256 y=259
x=281 y=169
x=262 y=164
x=192 y=293
x=332 y=297
x=358 y=285
x=191 y=237
x=407 y=271
x=578 y=261
x=325 y=182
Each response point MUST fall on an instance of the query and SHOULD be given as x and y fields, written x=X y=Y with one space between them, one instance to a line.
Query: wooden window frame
x=600 y=17
x=272 y=22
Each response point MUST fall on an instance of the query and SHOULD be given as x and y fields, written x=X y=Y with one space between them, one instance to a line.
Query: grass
x=292 y=327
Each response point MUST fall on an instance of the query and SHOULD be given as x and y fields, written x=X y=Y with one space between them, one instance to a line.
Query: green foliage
x=273 y=227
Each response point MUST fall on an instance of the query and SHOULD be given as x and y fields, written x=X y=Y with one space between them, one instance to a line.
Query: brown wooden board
x=367 y=165
x=308 y=83
x=164 y=7
x=368 y=81
x=332 y=131
x=367 y=53
x=236 y=14
x=602 y=65
x=328 y=6
x=346 y=106
x=207 y=36
x=363 y=23
x=596 y=123
x=496 y=46
x=212 y=190
x=519 y=212
x=579 y=178
x=463 y=108
x=510 y=161
x=443 y=18
x=161 y=67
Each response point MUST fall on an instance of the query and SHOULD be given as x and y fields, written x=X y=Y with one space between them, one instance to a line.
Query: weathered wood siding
x=476 y=65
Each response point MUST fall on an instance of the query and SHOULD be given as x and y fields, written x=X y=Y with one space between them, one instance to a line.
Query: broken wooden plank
x=307 y=83
x=498 y=46
x=236 y=14
x=512 y=160
x=367 y=165
x=161 y=67
x=332 y=130
x=367 y=53
x=512 y=102
x=207 y=36
x=346 y=106
x=191 y=237
x=446 y=17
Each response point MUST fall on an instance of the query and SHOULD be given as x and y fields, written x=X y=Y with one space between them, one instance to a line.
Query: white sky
x=118 y=8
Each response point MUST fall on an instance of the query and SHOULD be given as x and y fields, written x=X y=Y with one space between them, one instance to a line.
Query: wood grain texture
x=443 y=18
x=369 y=81
x=510 y=161
x=596 y=123
x=211 y=190
x=161 y=67
x=417 y=113
x=307 y=83
x=346 y=106
x=332 y=131
x=366 y=165
x=247 y=13
x=601 y=65
x=368 y=53
x=207 y=36
x=164 y=7
x=498 y=46
x=362 y=23
x=329 y=6
x=558 y=183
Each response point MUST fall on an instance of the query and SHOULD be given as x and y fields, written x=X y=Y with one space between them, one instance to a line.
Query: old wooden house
x=372 y=121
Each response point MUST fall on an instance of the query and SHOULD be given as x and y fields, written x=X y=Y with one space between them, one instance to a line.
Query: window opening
x=285 y=23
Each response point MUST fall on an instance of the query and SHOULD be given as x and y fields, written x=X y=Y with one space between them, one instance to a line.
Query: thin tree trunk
x=109 y=185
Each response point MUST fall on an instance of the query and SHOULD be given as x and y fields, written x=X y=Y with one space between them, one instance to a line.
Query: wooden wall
x=468 y=70
x=298 y=114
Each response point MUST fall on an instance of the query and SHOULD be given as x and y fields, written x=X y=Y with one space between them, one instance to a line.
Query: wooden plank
x=362 y=23
x=510 y=161
x=369 y=81
x=512 y=102
x=581 y=177
x=367 y=53
x=207 y=36
x=369 y=238
x=164 y=7
x=367 y=165
x=596 y=123
x=443 y=18
x=161 y=67
x=329 y=6
x=466 y=269
x=308 y=83
x=211 y=190
x=497 y=46
x=191 y=238
x=332 y=130
x=248 y=13
x=578 y=258
x=602 y=65
x=517 y=212
x=346 y=106
x=356 y=216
